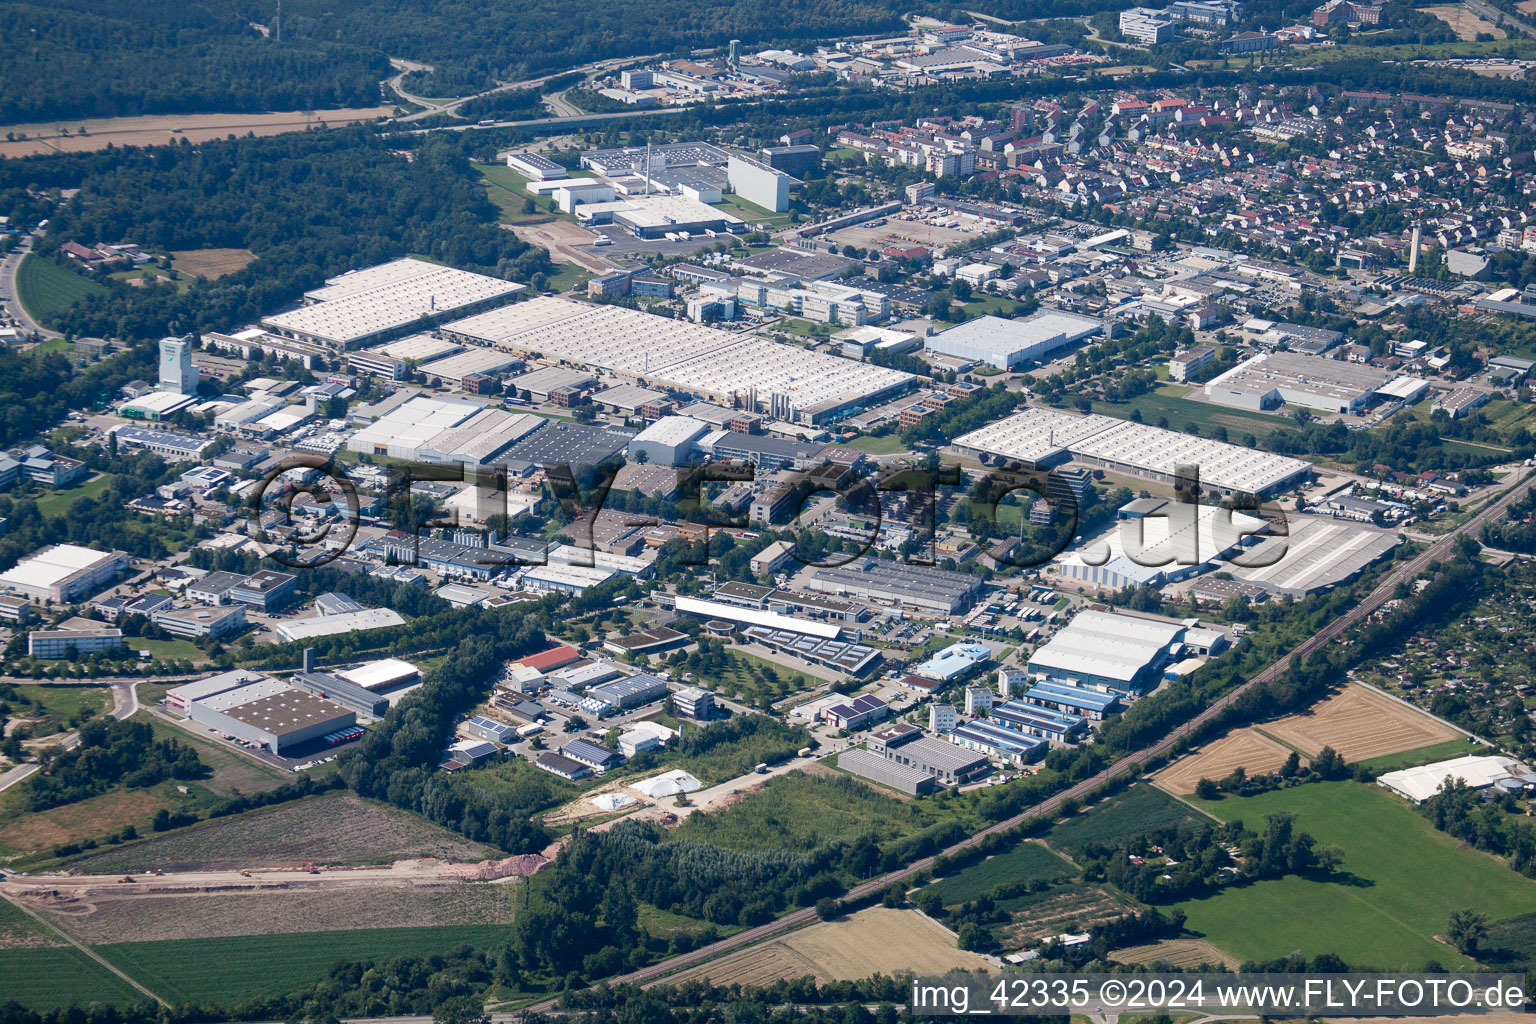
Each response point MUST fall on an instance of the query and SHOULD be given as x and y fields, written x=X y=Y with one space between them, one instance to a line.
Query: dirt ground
x=561 y=237
x=1463 y=22
x=1185 y=954
x=899 y=232
x=149 y=131
x=108 y=917
x=211 y=264
x=82 y=819
x=1077 y=908
x=877 y=940
x=1526 y=6
x=1256 y=753
x=1359 y=723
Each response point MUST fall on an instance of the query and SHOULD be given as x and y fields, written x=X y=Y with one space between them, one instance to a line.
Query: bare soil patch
x=48 y=137
x=1463 y=22
x=1255 y=753
x=1184 y=954
x=1359 y=723
x=211 y=264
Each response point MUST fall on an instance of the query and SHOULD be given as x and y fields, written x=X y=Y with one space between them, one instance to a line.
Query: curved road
x=13 y=306
x=125 y=701
x=1374 y=600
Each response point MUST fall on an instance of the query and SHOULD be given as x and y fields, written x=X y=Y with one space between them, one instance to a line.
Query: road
x=1499 y=18
x=1126 y=765
x=527 y=83
x=8 y=268
x=125 y=701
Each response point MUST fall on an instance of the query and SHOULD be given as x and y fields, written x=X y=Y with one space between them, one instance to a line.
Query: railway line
x=1372 y=601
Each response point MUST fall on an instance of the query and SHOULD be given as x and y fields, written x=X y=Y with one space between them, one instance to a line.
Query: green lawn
x=45 y=288
x=890 y=444
x=1420 y=755
x=751 y=212
x=57 y=503
x=164 y=649
x=1026 y=862
x=1400 y=882
x=52 y=978
x=1167 y=402
x=569 y=277
x=234 y=969
x=62 y=705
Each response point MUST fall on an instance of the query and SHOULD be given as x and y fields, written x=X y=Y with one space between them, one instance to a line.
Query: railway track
x=1372 y=601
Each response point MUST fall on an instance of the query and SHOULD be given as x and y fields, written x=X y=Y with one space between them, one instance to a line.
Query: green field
x=1024 y=863
x=1400 y=881
x=235 y=969
x=53 y=978
x=57 y=503
x=45 y=288
x=801 y=812
x=1138 y=810
x=889 y=444
x=1419 y=755
x=1168 y=402
x=60 y=705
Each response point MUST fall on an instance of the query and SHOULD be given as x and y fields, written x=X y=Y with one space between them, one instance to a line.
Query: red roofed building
x=548 y=661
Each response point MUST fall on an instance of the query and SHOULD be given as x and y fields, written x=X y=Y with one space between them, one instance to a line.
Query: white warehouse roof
x=1421 y=783
x=1106 y=645
x=753 y=617
x=49 y=566
x=1005 y=343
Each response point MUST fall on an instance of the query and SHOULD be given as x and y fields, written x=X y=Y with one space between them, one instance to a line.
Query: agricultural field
x=1464 y=23
x=1359 y=723
x=797 y=811
x=1071 y=908
x=1183 y=954
x=237 y=969
x=332 y=828
x=1399 y=882
x=211 y=264
x=1132 y=813
x=878 y=940
x=103 y=919
x=45 y=288
x=31 y=977
x=25 y=836
x=1246 y=748
x=19 y=930
x=1026 y=862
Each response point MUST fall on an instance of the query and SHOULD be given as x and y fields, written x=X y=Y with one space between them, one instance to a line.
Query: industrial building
x=393 y=360
x=660 y=216
x=334 y=625
x=272 y=715
x=954 y=662
x=1041 y=438
x=372 y=304
x=1317 y=553
x=875 y=768
x=1121 y=654
x=670 y=441
x=740 y=371
x=998 y=743
x=172 y=444
x=760 y=184
x=1158 y=542
x=340 y=691
x=1010 y=344
x=63 y=573
x=949 y=764
x=1075 y=700
x=1033 y=720
x=630 y=692
x=1477 y=771
x=929 y=589
x=842 y=655
x=177 y=374
x=1271 y=379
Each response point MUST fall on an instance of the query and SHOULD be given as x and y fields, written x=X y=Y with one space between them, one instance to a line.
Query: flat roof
x=1310 y=375
x=1316 y=554
x=476 y=360
x=391 y=295
x=53 y=565
x=346 y=622
x=421 y=347
x=377 y=674
x=1109 y=646
x=284 y=713
x=753 y=617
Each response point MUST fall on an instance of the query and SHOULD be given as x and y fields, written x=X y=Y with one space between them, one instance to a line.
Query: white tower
x=176 y=372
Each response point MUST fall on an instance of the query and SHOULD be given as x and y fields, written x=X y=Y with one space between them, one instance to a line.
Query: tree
x=460 y=1010
x=1205 y=789
x=828 y=908
x=1467 y=930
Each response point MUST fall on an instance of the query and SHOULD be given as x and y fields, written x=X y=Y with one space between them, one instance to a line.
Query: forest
x=81 y=59
x=110 y=753
x=310 y=205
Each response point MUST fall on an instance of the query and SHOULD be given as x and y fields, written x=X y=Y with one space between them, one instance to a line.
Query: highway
x=1498 y=17
x=1127 y=764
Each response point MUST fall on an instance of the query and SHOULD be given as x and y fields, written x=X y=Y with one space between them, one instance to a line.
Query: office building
x=1186 y=365
x=760 y=184
x=73 y=643
x=1146 y=26
x=942 y=718
x=215 y=622
x=694 y=702
x=177 y=375
x=264 y=589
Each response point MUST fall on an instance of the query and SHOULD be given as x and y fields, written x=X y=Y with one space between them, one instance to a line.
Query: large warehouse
x=446 y=430
x=270 y=713
x=736 y=370
x=1009 y=344
x=1272 y=379
x=1316 y=553
x=1044 y=437
x=1106 y=651
x=1159 y=542
x=63 y=573
x=933 y=590
x=371 y=305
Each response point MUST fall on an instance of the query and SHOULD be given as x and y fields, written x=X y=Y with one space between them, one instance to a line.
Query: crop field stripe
x=44 y=288
x=89 y=952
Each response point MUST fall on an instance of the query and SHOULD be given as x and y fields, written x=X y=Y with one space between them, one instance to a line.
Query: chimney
x=309 y=659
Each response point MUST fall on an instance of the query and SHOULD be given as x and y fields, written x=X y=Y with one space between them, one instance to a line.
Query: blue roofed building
x=955 y=662
x=1076 y=700
x=999 y=743
x=1033 y=720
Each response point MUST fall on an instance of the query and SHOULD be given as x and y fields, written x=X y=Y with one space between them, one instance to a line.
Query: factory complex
x=739 y=371
x=1041 y=438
